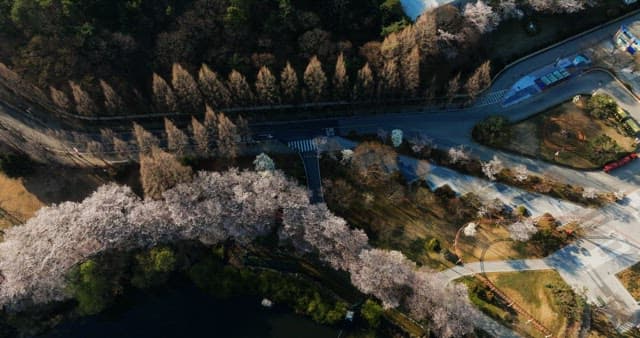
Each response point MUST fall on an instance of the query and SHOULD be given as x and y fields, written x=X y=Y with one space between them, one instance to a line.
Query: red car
x=619 y=163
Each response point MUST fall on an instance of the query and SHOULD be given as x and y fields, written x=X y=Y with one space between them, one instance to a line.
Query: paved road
x=590 y=263
x=611 y=244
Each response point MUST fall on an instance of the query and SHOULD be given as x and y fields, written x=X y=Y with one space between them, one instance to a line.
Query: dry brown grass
x=566 y=129
x=529 y=290
x=630 y=278
x=17 y=204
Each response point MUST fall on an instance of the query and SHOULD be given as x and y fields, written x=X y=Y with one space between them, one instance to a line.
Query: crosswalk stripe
x=303 y=146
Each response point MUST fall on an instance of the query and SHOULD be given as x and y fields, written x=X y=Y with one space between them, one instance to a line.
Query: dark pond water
x=189 y=312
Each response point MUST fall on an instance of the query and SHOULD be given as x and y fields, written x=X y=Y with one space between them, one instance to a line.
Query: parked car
x=619 y=163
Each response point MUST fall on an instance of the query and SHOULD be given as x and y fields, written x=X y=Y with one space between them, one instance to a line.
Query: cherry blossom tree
x=520 y=173
x=458 y=155
x=384 y=274
x=558 y=6
x=522 y=230
x=492 y=168
x=481 y=16
x=446 y=306
x=590 y=193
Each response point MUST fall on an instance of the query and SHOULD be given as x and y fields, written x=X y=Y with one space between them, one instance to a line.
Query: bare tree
x=289 y=83
x=315 y=80
x=213 y=88
x=163 y=97
x=340 y=78
x=267 y=87
x=84 y=103
x=177 y=140
x=112 y=101
x=187 y=93
x=160 y=171
x=374 y=162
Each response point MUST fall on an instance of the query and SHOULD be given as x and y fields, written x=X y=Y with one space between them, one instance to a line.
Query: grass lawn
x=567 y=129
x=543 y=294
x=630 y=278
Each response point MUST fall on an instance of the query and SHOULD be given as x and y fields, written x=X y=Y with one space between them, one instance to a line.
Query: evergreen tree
x=112 y=101
x=315 y=80
x=214 y=90
x=144 y=139
x=390 y=86
x=84 y=103
x=341 y=78
x=177 y=140
x=240 y=89
x=200 y=138
x=479 y=80
x=267 y=87
x=227 y=137
x=59 y=98
x=453 y=87
x=289 y=84
x=186 y=89
x=365 y=86
x=163 y=97
x=411 y=72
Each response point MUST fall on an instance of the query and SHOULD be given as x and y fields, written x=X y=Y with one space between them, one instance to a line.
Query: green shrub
x=153 y=267
x=492 y=131
x=601 y=106
x=90 y=287
x=371 y=312
x=434 y=245
x=522 y=211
